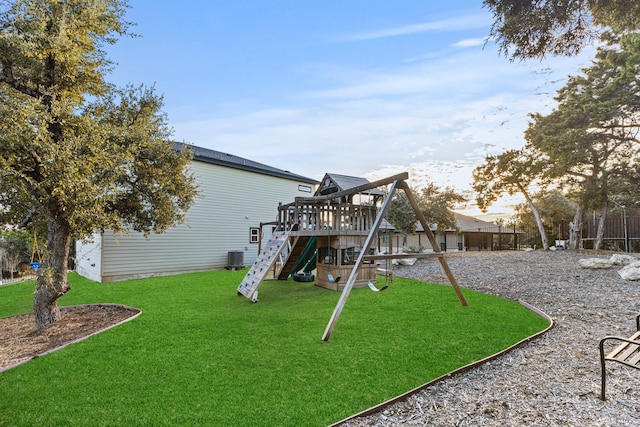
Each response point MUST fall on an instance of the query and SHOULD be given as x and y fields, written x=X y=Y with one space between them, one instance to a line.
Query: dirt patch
x=20 y=342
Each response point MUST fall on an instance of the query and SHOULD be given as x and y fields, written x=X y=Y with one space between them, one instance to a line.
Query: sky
x=367 y=88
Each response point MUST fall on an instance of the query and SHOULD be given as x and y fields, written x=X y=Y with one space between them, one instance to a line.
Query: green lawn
x=199 y=354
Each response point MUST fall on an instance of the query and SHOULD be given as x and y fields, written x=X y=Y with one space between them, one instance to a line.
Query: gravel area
x=553 y=380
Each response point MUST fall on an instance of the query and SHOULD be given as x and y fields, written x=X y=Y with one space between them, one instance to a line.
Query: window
x=304 y=188
x=254 y=235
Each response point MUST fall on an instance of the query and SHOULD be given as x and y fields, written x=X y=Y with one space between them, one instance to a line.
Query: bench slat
x=619 y=353
x=624 y=350
x=627 y=351
x=635 y=360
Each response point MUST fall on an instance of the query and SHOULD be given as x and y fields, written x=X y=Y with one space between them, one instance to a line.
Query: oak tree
x=437 y=204
x=591 y=138
x=78 y=155
x=401 y=215
x=532 y=29
x=512 y=172
x=555 y=208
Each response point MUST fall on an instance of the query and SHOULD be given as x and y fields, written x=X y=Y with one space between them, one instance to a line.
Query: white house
x=236 y=196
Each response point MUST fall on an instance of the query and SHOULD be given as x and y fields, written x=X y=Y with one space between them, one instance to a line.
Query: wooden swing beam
x=355 y=190
x=396 y=181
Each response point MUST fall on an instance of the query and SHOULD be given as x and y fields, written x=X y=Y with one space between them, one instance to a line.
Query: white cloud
x=464 y=22
x=480 y=41
x=437 y=118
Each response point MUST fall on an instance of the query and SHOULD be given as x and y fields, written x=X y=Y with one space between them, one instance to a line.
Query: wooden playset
x=336 y=230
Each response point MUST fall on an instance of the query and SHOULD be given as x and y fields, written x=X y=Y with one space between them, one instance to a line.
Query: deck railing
x=325 y=216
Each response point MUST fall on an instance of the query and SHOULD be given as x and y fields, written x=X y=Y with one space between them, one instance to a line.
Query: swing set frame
x=396 y=182
x=333 y=214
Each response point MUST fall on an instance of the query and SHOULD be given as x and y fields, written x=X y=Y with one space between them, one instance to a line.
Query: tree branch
x=6 y=76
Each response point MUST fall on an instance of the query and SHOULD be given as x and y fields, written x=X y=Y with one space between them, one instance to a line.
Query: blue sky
x=365 y=88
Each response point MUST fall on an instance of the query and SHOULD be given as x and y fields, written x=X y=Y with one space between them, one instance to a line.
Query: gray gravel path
x=551 y=381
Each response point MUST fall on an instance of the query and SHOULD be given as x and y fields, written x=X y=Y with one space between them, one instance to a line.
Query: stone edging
x=84 y=337
x=381 y=406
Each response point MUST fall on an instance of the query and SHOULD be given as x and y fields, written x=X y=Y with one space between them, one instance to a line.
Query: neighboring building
x=478 y=235
x=473 y=234
x=237 y=195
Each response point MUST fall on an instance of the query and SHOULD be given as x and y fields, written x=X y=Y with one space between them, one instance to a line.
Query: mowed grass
x=199 y=354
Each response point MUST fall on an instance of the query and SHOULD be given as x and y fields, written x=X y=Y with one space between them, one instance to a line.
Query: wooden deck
x=305 y=218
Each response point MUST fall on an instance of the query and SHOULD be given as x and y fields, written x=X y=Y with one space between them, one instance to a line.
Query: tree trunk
x=575 y=228
x=536 y=214
x=600 y=233
x=51 y=283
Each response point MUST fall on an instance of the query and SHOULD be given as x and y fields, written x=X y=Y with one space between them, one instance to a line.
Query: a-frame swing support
x=397 y=181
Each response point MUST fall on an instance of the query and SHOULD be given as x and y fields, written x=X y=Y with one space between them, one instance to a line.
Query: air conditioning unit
x=235 y=260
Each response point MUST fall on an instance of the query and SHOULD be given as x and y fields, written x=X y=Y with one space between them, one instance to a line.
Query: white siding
x=89 y=258
x=232 y=201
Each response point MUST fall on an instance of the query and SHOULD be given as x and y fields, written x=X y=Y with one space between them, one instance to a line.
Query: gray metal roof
x=229 y=160
x=345 y=182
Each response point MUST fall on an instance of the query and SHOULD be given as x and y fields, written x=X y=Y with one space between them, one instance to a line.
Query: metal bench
x=627 y=353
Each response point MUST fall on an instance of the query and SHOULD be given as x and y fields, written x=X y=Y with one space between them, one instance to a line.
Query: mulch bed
x=20 y=341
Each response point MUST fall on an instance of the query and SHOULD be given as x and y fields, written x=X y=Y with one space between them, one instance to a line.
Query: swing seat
x=35 y=265
x=304 y=277
x=374 y=289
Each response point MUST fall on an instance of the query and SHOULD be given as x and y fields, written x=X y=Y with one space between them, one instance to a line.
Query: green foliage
x=16 y=242
x=533 y=29
x=400 y=213
x=554 y=208
x=510 y=172
x=201 y=355
x=434 y=202
x=78 y=155
x=590 y=139
x=587 y=145
x=437 y=203
x=70 y=143
x=15 y=247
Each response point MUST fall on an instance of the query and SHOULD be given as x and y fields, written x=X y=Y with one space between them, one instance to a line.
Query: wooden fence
x=621 y=233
